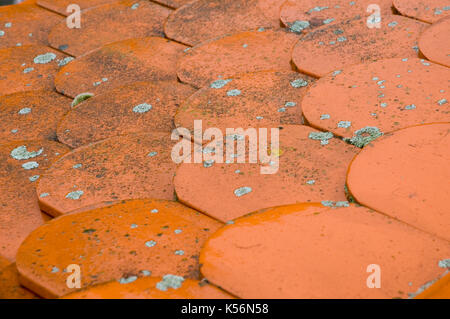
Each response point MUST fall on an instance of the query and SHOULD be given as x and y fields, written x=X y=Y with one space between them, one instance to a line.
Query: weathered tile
x=122 y=242
x=434 y=44
x=364 y=101
x=303 y=15
x=25 y=24
x=120 y=63
x=109 y=23
x=262 y=99
x=405 y=175
x=243 y=52
x=136 y=108
x=30 y=67
x=305 y=251
x=168 y=287
x=330 y=48
x=10 y=287
x=22 y=163
x=425 y=10
x=122 y=167
x=31 y=115
x=202 y=20
x=308 y=166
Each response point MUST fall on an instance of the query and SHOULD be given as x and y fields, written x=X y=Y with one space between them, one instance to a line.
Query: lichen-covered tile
x=64 y=6
x=123 y=242
x=308 y=165
x=22 y=164
x=304 y=15
x=167 y=287
x=425 y=10
x=436 y=289
x=330 y=48
x=244 y=52
x=362 y=102
x=10 y=287
x=138 y=107
x=24 y=24
x=123 y=167
x=261 y=99
x=202 y=20
x=31 y=115
x=308 y=251
x=405 y=175
x=109 y=23
x=120 y=63
x=29 y=67
x=434 y=44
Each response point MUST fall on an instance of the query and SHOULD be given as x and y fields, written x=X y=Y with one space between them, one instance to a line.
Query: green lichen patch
x=81 y=97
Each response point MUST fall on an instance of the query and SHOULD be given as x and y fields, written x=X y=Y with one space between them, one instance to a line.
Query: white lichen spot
x=311 y=182
x=75 y=195
x=150 y=243
x=133 y=226
x=170 y=281
x=179 y=252
x=77 y=166
x=65 y=61
x=410 y=107
x=55 y=270
x=33 y=178
x=146 y=273
x=298 y=26
x=241 y=191
x=135 y=6
x=142 y=108
x=298 y=83
x=444 y=263
x=344 y=124
x=44 y=58
x=218 y=84
x=364 y=136
x=154 y=211
x=127 y=280
x=325 y=116
x=30 y=165
x=290 y=104
x=44 y=195
x=25 y=110
x=442 y=102
x=208 y=163
x=323 y=137
x=152 y=154
x=21 y=153
x=234 y=92
x=28 y=70
x=177 y=231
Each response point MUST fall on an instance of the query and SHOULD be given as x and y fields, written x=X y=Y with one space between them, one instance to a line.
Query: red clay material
x=120 y=63
x=10 y=287
x=60 y=6
x=153 y=288
x=304 y=15
x=330 y=48
x=173 y=3
x=122 y=167
x=22 y=163
x=31 y=115
x=202 y=20
x=138 y=107
x=434 y=44
x=312 y=167
x=4 y=262
x=25 y=24
x=266 y=99
x=387 y=95
x=238 y=53
x=439 y=290
x=405 y=175
x=30 y=67
x=110 y=23
x=306 y=251
x=136 y=238
x=425 y=10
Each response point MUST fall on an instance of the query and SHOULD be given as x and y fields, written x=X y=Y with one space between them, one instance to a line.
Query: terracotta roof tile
x=425 y=10
x=434 y=44
x=10 y=287
x=60 y=6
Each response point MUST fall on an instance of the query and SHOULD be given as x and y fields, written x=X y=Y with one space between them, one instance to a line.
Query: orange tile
x=425 y=10
x=434 y=44
x=108 y=23
x=330 y=48
x=122 y=167
x=10 y=287
x=25 y=24
x=120 y=63
x=30 y=67
x=202 y=20
x=22 y=163
x=4 y=262
x=304 y=15
x=308 y=251
x=122 y=242
x=405 y=175
x=60 y=6
x=438 y=290
x=312 y=167
x=238 y=53
x=31 y=115
x=266 y=99
x=173 y=3
x=169 y=287
x=134 y=108
x=386 y=95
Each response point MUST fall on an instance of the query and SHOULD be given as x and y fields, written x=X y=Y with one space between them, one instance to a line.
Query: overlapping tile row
x=91 y=117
